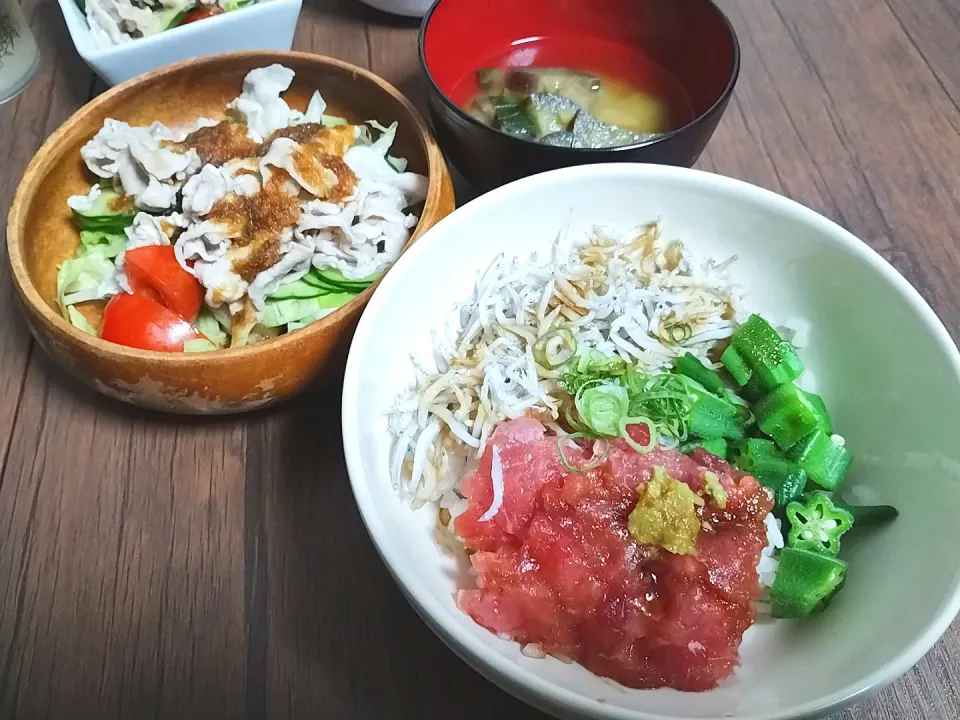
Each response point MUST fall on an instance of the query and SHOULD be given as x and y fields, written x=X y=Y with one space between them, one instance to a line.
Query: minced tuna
x=557 y=567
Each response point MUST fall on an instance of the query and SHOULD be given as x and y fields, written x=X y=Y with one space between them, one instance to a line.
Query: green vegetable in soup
x=589 y=132
x=558 y=139
x=549 y=113
x=511 y=119
x=567 y=108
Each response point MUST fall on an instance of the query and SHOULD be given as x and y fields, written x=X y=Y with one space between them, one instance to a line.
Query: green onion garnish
x=555 y=348
x=681 y=332
x=596 y=462
x=665 y=401
x=602 y=407
x=651 y=429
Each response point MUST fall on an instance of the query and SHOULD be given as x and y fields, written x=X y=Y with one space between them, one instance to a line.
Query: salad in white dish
x=229 y=231
x=117 y=22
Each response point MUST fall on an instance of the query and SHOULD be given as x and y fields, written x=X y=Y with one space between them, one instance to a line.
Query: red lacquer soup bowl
x=684 y=52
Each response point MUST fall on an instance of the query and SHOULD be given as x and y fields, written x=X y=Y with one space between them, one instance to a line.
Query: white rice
x=767 y=567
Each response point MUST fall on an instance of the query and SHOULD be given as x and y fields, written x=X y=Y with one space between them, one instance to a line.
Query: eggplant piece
x=492 y=80
x=549 y=113
x=588 y=132
x=581 y=88
x=511 y=119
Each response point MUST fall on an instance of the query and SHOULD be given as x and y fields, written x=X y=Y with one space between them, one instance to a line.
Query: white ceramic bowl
x=882 y=360
x=268 y=25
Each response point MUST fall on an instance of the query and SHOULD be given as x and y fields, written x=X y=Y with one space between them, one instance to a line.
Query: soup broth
x=614 y=95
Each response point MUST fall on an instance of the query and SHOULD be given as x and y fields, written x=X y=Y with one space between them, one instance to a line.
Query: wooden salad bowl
x=41 y=234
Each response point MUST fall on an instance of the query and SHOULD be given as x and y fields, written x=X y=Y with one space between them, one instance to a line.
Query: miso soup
x=574 y=106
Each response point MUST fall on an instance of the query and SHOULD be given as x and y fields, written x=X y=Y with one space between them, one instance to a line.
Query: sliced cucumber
x=111 y=213
x=311 y=278
x=336 y=279
x=297 y=290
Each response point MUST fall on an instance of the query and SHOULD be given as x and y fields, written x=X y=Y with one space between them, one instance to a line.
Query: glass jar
x=19 y=55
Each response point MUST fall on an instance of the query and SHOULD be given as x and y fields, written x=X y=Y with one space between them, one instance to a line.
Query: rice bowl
x=776 y=242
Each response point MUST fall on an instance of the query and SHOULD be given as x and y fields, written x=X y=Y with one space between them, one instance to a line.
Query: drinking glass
x=19 y=55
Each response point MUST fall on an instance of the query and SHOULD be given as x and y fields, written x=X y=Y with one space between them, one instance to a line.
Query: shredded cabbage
x=90 y=277
x=277 y=313
x=208 y=325
x=77 y=319
x=107 y=244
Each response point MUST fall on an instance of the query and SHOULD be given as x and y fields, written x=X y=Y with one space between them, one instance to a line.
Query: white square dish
x=268 y=25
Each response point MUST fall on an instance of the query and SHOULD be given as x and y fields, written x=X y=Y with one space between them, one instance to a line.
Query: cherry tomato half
x=155 y=268
x=139 y=321
x=200 y=14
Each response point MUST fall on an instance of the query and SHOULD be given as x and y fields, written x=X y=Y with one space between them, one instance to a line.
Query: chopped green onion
x=651 y=430
x=555 y=348
x=602 y=407
x=591 y=366
x=665 y=400
x=679 y=333
x=594 y=463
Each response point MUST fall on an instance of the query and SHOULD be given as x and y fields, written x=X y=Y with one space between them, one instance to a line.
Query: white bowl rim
x=426 y=604
x=88 y=49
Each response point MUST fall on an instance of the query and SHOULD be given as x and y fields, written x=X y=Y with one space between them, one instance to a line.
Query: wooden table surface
x=156 y=567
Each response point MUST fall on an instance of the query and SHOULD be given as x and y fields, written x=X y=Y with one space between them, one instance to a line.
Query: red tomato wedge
x=200 y=14
x=155 y=268
x=138 y=321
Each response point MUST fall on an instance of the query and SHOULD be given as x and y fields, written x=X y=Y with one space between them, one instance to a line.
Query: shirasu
x=634 y=296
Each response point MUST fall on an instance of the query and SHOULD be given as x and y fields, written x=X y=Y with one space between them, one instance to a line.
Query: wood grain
x=172 y=569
